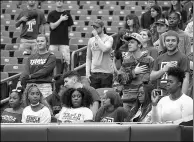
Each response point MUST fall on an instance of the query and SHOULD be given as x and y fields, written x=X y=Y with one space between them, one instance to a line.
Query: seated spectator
x=76 y=103
x=35 y=110
x=177 y=7
x=161 y=27
x=111 y=110
x=135 y=69
x=54 y=99
x=176 y=105
x=148 y=44
x=73 y=80
x=146 y=19
x=13 y=114
x=156 y=13
x=39 y=68
x=139 y=112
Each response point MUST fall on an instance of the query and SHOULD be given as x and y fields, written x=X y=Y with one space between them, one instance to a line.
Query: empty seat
x=70 y=2
x=5 y=33
x=24 y=60
x=133 y=8
x=16 y=34
x=4 y=75
x=5 y=40
x=75 y=34
x=19 y=54
x=100 y=12
x=79 y=23
x=112 y=29
x=9 y=60
x=121 y=12
x=12 y=11
x=88 y=2
x=48 y=7
x=4 y=53
x=91 y=7
x=102 y=3
x=79 y=41
x=118 y=23
x=88 y=17
x=73 y=47
x=6 y=16
x=142 y=3
x=112 y=7
x=2 y=28
x=58 y=54
x=11 y=46
x=124 y=3
x=79 y=12
x=8 y=5
x=14 y=68
x=84 y=29
x=9 y=22
x=139 y=13
x=48 y=2
x=88 y=35
x=110 y=18
x=72 y=6
x=23 y=6
x=12 y=28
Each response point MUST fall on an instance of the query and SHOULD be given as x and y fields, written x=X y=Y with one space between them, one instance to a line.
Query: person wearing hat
x=184 y=45
x=111 y=109
x=99 y=70
x=161 y=27
x=173 y=57
x=135 y=70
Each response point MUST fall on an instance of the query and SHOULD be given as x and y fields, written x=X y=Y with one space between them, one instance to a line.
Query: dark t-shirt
x=30 y=29
x=182 y=62
x=117 y=115
x=10 y=117
x=94 y=93
x=59 y=35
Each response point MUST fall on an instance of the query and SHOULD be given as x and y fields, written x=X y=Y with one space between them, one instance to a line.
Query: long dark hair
x=86 y=97
x=136 y=23
x=159 y=11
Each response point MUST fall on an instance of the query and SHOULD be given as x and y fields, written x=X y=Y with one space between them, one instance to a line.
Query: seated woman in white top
x=76 y=104
x=35 y=110
x=175 y=106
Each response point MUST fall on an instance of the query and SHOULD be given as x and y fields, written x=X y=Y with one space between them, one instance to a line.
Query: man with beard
x=184 y=41
x=99 y=68
x=173 y=57
x=32 y=21
x=60 y=24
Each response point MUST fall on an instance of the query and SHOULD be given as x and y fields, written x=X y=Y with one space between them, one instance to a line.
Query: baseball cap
x=162 y=21
x=98 y=23
x=135 y=36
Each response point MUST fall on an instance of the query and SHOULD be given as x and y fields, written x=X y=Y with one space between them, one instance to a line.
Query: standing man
x=184 y=45
x=60 y=25
x=173 y=57
x=99 y=68
x=32 y=20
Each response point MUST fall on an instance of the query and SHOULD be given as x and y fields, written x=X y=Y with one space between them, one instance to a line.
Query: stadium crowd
x=145 y=77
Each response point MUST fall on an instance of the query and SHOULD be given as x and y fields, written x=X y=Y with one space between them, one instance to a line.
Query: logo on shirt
x=30 y=24
x=107 y=119
x=38 y=61
x=32 y=119
x=9 y=118
x=73 y=117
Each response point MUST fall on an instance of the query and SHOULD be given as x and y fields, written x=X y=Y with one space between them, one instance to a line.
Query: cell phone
x=158 y=92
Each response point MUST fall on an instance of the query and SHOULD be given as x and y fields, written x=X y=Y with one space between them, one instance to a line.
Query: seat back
x=9 y=60
x=4 y=75
x=14 y=68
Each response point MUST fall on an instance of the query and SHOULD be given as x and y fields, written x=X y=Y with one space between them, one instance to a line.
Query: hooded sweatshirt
x=40 y=67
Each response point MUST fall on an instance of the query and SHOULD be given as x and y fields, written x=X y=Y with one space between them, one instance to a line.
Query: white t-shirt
x=41 y=116
x=171 y=110
x=75 y=115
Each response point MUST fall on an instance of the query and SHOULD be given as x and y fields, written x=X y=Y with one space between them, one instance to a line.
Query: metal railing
x=80 y=50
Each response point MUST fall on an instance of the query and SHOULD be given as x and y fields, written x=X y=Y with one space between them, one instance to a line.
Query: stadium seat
x=18 y=40
x=100 y=12
x=14 y=68
x=5 y=33
x=74 y=34
x=84 y=29
x=79 y=23
x=133 y=8
x=88 y=2
x=48 y=2
x=79 y=41
x=5 y=40
x=79 y=12
x=58 y=54
x=121 y=12
x=24 y=60
x=102 y=3
x=19 y=54
x=70 y=2
x=124 y=3
x=23 y=6
x=88 y=35
x=112 y=29
x=6 y=16
x=71 y=6
x=139 y=12
x=12 y=11
x=9 y=22
x=8 y=5
x=2 y=28
x=73 y=47
x=88 y=17
x=16 y=34
x=118 y=23
x=4 y=53
x=91 y=7
x=9 y=60
x=110 y=18
x=48 y=7
x=11 y=46
x=4 y=75
x=12 y=28
x=142 y=3
x=112 y=7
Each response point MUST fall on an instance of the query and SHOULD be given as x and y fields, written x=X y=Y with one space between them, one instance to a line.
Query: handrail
x=79 y=50
x=10 y=78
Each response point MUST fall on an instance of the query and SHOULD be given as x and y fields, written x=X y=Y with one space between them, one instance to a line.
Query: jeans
x=101 y=80
x=28 y=45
